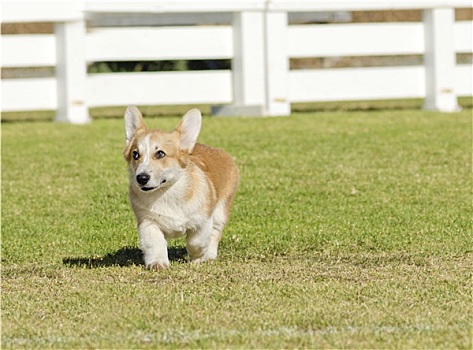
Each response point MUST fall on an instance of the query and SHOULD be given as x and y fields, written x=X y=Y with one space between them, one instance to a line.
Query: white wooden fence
x=260 y=42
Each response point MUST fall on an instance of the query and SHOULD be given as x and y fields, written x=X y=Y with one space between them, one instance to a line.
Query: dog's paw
x=157 y=265
x=203 y=259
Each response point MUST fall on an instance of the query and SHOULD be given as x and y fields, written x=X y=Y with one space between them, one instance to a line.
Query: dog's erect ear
x=189 y=129
x=133 y=122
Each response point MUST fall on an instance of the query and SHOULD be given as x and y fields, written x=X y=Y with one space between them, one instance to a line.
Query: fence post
x=440 y=60
x=247 y=66
x=71 y=72
x=277 y=64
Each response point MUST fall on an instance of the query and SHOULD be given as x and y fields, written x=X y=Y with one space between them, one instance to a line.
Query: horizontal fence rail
x=163 y=43
x=259 y=40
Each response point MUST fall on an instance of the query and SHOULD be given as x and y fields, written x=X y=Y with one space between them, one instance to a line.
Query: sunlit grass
x=350 y=229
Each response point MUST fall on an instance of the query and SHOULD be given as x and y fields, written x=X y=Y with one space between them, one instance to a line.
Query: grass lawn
x=349 y=229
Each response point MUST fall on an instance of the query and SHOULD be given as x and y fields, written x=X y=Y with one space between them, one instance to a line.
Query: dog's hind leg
x=220 y=217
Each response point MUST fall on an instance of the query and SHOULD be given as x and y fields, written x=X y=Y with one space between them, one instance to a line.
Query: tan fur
x=220 y=169
x=188 y=191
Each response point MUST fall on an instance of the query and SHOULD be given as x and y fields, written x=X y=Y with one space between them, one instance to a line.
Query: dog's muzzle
x=143 y=179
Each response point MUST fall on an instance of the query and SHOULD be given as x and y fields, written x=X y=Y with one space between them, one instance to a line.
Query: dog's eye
x=136 y=155
x=160 y=154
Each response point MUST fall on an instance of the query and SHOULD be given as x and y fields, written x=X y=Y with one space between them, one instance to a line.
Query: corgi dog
x=177 y=187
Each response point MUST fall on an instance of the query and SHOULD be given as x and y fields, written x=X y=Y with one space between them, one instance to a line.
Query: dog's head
x=157 y=159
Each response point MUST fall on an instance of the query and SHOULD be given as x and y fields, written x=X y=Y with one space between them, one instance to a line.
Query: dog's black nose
x=142 y=178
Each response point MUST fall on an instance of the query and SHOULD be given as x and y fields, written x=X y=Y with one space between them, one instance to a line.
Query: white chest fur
x=174 y=214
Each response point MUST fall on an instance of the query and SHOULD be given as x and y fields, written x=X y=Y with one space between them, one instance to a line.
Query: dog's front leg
x=198 y=242
x=153 y=245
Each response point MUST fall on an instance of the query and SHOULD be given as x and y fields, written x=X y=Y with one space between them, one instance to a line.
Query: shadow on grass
x=127 y=256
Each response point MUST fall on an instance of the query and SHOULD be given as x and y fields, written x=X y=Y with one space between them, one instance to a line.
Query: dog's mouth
x=148 y=189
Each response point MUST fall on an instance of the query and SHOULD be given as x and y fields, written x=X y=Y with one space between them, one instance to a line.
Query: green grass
x=350 y=229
